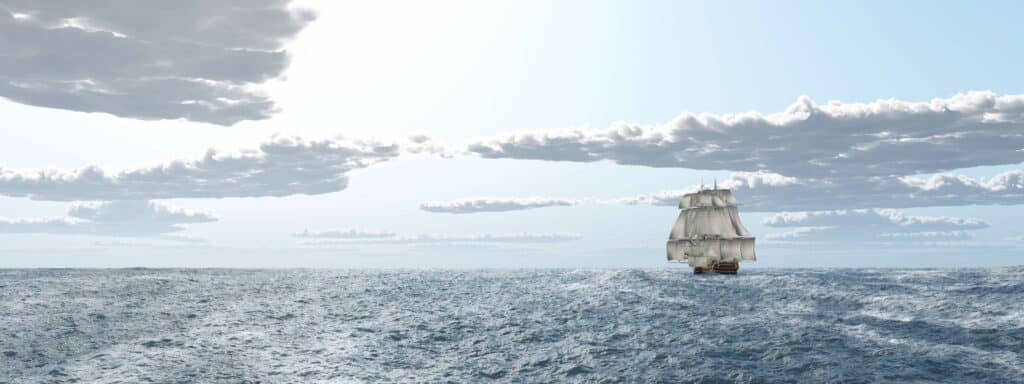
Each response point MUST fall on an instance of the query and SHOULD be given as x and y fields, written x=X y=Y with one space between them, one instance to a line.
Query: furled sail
x=709 y=229
x=708 y=198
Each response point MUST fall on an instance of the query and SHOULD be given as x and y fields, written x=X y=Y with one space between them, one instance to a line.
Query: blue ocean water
x=270 y=326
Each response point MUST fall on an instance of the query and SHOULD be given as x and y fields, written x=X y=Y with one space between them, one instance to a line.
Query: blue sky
x=466 y=72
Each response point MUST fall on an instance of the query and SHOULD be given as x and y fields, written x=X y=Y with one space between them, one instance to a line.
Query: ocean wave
x=228 y=326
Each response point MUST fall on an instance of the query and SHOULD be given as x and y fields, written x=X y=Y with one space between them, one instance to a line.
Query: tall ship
x=708 y=234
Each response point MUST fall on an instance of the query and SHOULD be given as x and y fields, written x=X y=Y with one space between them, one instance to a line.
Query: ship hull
x=720 y=267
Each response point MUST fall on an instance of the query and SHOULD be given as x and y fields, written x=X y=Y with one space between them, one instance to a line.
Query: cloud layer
x=356 y=236
x=869 y=225
x=280 y=167
x=194 y=60
x=112 y=218
x=345 y=234
x=769 y=192
x=493 y=204
x=761 y=191
x=836 y=140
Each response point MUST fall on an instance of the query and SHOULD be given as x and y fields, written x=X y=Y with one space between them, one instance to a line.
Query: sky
x=520 y=134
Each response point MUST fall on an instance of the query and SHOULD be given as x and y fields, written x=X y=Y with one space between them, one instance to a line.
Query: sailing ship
x=708 y=234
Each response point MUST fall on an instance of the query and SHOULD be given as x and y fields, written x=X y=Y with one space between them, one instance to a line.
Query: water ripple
x=228 y=326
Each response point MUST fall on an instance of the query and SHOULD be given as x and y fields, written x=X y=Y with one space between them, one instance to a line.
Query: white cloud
x=894 y=221
x=431 y=238
x=281 y=166
x=883 y=138
x=198 y=60
x=171 y=241
x=761 y=191
x=494 y=204
x=525 y=237
x=931 y=235
x=768 y=192
x=345 y=234
x=183 y=238
x=869 y=225
x=130 y=212
x=420 y=142
x=112 y=218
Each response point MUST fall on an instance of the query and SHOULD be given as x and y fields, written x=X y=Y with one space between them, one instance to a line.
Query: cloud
x=894 y=221
x=171 y=241
x=930 y=235
x=130 y=212
x=280 y=167
x=881 y=154
x=380 y=237
x=186 y=239
x=869 y=225
x=420 y=142
x=194 y=59
x=525 y=237
x=345 y=234
x=883 y=138
x=769 y=192
x=111 y=218
x=859 y=235
x=762 y=191
x=492 y=204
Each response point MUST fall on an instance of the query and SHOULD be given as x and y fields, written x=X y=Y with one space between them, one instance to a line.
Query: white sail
x=709 y=230
x=699 y=252
x=715 y=222
x=679 y=229
x=734 y=217
x=730 y=249
x=675 y=251
x=692 y=249
x=712 y=249
x=708 y=198
x=747 y=249
x=700 y=261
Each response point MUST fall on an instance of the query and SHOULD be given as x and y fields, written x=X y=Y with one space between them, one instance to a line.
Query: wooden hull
x=720 y=267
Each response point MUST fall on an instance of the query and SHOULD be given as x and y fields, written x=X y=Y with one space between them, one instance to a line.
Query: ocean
x=467 y=326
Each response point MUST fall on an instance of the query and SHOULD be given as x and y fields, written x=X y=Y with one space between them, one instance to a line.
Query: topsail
x=709 y=231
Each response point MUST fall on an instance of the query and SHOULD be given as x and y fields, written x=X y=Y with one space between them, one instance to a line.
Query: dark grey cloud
x=112 y=218
x=884 y=138
x=281 y=166
x=193 y=60
x=494 y=204
x=760 y=191
x=869 y=225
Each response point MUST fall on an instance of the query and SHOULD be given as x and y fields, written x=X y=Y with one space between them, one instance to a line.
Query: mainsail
x=708 y=229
